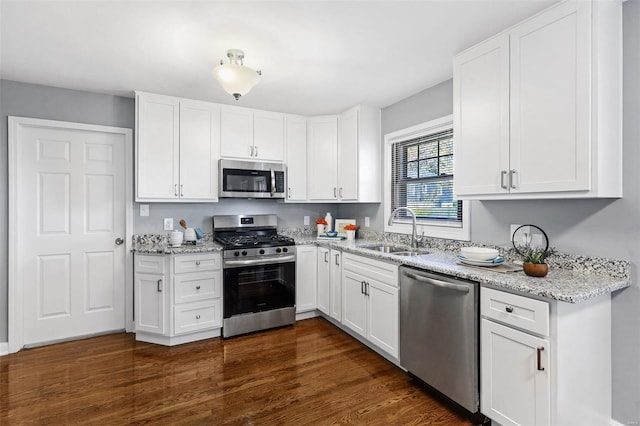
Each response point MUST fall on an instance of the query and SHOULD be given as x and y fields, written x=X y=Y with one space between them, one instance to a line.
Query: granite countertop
x=567 y=285
x=159 y=248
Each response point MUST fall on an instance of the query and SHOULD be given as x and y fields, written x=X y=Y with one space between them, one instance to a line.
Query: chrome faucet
x=414 y=235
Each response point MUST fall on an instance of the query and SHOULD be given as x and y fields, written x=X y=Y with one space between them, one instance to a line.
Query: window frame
x=431 y=228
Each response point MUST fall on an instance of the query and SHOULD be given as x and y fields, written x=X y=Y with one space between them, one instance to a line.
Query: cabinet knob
x=197 y=287
x=197 y=263
x=509 y=309
x=197 y=316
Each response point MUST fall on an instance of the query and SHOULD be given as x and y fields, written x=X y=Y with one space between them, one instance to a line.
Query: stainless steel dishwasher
x=439 y=333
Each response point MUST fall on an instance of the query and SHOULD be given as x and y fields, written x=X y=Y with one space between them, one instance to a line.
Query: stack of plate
x=480 y=256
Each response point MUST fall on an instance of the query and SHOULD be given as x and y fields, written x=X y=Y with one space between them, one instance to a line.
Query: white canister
x=322 y=229
x=329 y=220
x=175 y=238
x=351 y=235
x=190 y=235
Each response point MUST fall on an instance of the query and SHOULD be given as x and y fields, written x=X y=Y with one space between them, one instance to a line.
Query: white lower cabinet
x=306 y=278
x=370 y=300
x=544 y=362
x=324 y=277
x=178 y=297
x=330 y=282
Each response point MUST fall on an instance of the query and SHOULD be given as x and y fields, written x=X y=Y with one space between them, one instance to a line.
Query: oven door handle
x=250 y=262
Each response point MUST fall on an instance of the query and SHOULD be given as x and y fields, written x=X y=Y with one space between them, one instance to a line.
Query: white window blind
x=422 y=178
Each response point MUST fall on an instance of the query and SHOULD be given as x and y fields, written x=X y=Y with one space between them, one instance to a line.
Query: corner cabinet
x=178 y=297
x=177 y=149
x=251 y=134
x=344 y=156
x=535 y=121
x=534 y=354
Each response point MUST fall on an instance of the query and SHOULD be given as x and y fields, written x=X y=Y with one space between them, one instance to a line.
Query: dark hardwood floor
x=312 y=373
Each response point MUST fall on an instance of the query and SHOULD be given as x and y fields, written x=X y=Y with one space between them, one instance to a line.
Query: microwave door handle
x=273 y=181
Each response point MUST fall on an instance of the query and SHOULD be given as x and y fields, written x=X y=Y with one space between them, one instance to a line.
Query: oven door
x=257 y=286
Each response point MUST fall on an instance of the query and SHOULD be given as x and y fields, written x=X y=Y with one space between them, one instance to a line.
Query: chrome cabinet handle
x=251 y=151
x=361 y=287
x=503 y=174
x=337 y=255
x=340 y=192
x=512 y=173
x=197 y=316
x=197 y=287
x=326 y=253
x=509 y=309
x=119 y=241
x=255 y=150
x=289 y=195
x=540 y=367
x=159 y=286
x=335 y=192
x=175 y=189
x=181 y=193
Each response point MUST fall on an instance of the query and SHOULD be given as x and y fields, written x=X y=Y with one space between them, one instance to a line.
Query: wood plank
x=312 y=373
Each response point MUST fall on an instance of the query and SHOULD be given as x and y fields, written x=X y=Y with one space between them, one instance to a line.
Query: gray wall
x=27 y=100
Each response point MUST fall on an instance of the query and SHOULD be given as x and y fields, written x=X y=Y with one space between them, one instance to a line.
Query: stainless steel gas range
x=259 y=273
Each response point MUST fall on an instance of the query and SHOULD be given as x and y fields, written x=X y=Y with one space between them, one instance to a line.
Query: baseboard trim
x=4 y=348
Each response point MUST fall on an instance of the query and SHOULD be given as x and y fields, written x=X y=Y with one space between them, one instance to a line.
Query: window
x=419 y=173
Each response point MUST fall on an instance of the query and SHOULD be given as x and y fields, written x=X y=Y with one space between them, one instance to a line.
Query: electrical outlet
x=144 y=209
x=513 y=229
x=367 y=222
x=306 y=220
x=525 y=237
x=168 y=224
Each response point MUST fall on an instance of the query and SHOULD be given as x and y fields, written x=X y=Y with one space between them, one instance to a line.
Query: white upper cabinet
x=251 y=134
x=177 y=149
x=537 y=109
x=322 y=158
x=296 y=140
x=344 y=156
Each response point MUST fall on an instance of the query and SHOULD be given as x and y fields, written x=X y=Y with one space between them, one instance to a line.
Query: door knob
x=119 y=241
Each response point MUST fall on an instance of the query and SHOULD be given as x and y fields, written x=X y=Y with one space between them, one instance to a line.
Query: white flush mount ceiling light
x=234 y=77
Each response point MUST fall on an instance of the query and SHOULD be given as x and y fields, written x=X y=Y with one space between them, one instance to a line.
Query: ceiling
x=316 y=57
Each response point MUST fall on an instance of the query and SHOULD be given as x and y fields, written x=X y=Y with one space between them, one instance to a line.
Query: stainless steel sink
x=386 y=248
x=405 y=253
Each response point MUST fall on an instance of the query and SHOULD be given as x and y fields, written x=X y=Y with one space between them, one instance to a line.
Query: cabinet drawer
x=197 y=316
x=196 y=262
x=196 y=286
x=512 y=309
x=383 y=272
x=149 y=264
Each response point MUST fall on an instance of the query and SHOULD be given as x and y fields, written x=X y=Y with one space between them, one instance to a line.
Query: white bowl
x=479 y=253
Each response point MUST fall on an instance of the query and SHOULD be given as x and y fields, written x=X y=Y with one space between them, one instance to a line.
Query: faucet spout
x=414 y=235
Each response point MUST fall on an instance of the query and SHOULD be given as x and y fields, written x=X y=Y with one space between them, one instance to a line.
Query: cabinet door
x=354 y=301
x=306 y=276
x=383 y=316
x=236 y=132
x=157 y=147
x=322 y=170
x=348 y=156
x=514 y=389
x=268 y=136
x=550 y=100
x=336 y=285
x=324 y=277
x=296 y=137
x=199 y=151
x=150 y=303
x=481 y=118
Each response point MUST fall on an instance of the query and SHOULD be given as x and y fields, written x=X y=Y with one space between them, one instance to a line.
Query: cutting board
x=504 y=267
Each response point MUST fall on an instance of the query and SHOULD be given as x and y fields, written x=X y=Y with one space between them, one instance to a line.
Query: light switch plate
x=367 y=222
x=168 y=224
x=513 y=229
x=306 y=220
x=144 y=209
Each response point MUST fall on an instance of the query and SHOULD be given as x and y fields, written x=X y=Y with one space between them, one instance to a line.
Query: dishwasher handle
x=437 y=283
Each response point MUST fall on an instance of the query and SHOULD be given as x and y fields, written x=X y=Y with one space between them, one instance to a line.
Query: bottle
x=329 y=220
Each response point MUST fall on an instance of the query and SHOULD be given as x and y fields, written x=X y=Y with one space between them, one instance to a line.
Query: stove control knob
x=244 y=252
x=236 y=253
x=278 y=250
x=284 y=250
x=261 y=251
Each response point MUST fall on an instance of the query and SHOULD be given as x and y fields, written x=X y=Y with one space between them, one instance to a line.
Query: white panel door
x=336 y=285
x=199 y=151
x=306 y=276
x=383 y=316
x=354 y=303
x=268 y=136
x=550 y=100
x=73 y=192
x=324 y=280
x=348 y=156
x=296 y=138
x=236 y=132
x=515 y=387
x=157 y=147
x=322 y=158
x=481 y=118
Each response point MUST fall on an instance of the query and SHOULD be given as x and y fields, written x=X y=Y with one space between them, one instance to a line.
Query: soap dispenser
x=329 y=220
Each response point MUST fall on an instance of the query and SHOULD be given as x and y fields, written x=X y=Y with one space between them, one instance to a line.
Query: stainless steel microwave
x=247 y=179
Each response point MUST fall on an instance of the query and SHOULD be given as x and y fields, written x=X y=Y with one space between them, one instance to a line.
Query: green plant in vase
x=534 y=260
